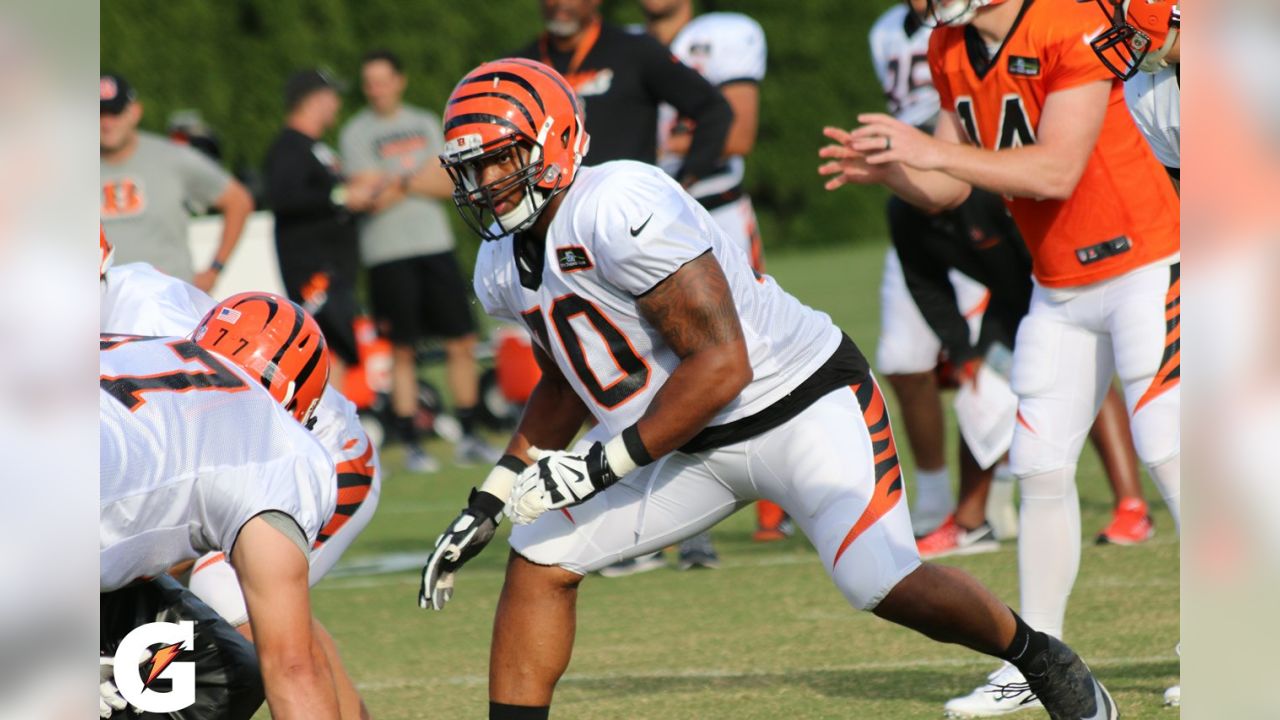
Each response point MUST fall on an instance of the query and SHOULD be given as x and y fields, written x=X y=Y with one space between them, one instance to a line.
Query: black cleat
x=1066 y=687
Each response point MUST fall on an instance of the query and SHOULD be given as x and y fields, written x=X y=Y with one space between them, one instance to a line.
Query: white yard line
x=382 y=570
x=722 y=674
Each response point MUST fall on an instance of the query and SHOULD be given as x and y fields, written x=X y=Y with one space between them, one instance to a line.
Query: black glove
x=465 y=537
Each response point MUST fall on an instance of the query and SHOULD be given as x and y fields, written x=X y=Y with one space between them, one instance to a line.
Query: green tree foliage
x=229 y=59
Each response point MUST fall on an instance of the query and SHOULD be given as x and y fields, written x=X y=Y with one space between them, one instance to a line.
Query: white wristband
x=499 y=483
x=620 y=461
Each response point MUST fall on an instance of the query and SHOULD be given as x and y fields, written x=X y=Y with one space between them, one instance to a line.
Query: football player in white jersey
x=711 y=388
x=250 y=376
x=729 y=50
x=137 y=299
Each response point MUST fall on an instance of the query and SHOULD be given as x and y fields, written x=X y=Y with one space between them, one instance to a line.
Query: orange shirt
x=1124 y=212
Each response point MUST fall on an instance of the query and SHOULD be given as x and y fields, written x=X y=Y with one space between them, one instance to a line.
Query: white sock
x=935 y=499
x=1168 y=478
x=1048 y=547
x=1002 y=516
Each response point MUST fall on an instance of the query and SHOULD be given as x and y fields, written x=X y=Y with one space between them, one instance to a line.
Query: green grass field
x=766 y=636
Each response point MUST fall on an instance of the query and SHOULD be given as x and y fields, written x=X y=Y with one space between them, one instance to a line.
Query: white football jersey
x=140 y=300
x=137 y=299
x=622 y=228
x=725 y=48
x=1154 y=100
x=901 y=61
x=191 y=449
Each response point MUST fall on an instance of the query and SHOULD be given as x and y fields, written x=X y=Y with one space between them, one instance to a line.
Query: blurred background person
x=621 y=78
x=415 y=284
x=314 y=221
x=729 y=50
x=151 y=186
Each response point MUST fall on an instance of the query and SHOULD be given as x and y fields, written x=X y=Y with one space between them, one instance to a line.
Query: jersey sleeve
x=644 y=229
x=357 y=155
x=487 y=283
x=740 y=56
x=878 y=42
x=1072 y=62
x=301 y=484
x=204 y=181
x=937 y=50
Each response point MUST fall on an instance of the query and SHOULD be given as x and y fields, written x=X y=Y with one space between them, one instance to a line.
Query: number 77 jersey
x=1123 y=213
x=191 y=449
x=622 y=228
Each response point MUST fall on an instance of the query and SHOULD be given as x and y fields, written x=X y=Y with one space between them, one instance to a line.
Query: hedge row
x=229 y=59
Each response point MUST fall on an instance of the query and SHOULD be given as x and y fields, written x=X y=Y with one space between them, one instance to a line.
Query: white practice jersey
x=137 y=299
x=901 y=60
x=725 y=48
x=622 y=228
x=140 y=300
x=1154 y=100
x=192 y=448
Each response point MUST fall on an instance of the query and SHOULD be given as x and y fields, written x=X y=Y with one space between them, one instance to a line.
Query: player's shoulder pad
x=622 y=199
x=891 y=21
x=728 y=23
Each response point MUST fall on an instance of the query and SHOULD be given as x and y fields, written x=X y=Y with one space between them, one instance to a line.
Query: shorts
x=330 y=296
x=419 y=297
x=833 y=468
x=907 y=344
x=228 y=678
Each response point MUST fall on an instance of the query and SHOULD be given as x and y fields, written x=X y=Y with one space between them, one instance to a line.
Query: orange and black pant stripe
x=355 y=481
x=1171 y=364
x=888 y=488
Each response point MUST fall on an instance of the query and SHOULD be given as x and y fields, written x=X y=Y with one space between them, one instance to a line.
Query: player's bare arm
x=273 y=575
x=693 y=310
x=744 y=99
x=553 y=415
x=1048 y=169
x=236 y=204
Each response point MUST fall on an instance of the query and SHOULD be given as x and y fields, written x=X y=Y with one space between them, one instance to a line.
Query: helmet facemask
x=533 y=179
x=952 y=12
x=1124 y=48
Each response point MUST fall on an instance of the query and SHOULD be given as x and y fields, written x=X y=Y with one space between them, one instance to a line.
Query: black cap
x=114 y=94
x=305 y=82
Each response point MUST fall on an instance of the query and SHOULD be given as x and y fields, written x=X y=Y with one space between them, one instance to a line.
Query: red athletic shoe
x=1130 y=525
x=771 y=523
x=951 y=539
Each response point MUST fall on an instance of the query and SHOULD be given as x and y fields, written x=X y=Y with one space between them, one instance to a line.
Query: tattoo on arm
x=693 y=308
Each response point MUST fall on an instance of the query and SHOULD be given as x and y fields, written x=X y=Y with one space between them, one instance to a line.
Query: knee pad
x=1157 y=428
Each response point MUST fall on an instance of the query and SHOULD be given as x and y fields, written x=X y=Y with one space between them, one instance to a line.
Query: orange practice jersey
x=1124 y=212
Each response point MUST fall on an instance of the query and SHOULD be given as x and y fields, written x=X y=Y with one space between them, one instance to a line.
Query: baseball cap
x=114 y=94
x=304 y=82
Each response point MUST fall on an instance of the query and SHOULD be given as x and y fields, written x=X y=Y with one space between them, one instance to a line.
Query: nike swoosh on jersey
x=1089 y=37
x=637 y=231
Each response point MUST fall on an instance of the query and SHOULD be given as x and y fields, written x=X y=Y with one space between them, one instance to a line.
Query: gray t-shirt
x=399 y=145
x=147 y=199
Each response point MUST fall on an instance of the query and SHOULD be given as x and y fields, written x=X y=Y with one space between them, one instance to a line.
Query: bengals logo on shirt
x=123 y=197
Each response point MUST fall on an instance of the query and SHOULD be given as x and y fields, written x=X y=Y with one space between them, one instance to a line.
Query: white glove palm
x=557 y=480
x=109 y=698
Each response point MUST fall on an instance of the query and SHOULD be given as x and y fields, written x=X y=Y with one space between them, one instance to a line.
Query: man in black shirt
x=316 y=239
x=621 y=78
